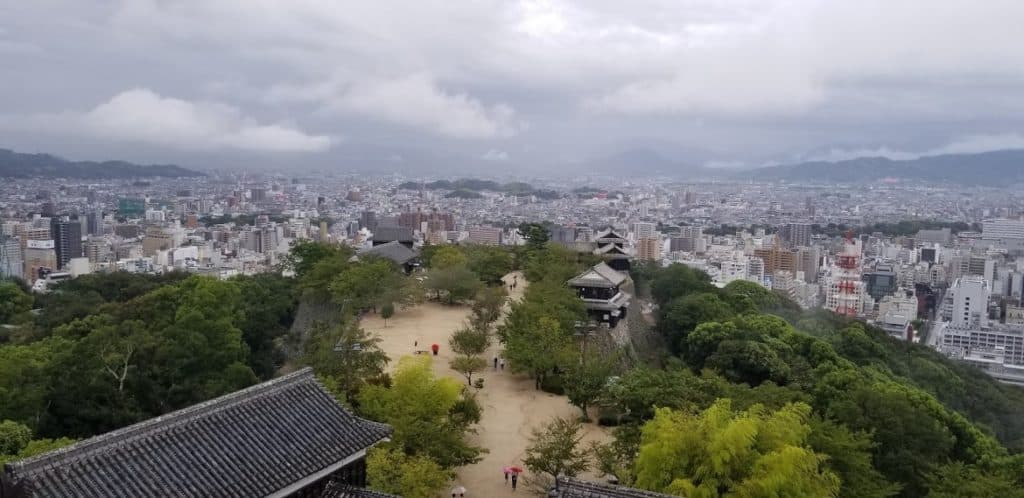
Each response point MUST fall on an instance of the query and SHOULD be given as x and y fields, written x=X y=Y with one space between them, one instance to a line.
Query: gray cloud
x=140 y=115
x=742 y=80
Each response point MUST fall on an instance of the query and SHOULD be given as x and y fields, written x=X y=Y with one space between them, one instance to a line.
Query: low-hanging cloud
x=415 y=100
x=141 y=115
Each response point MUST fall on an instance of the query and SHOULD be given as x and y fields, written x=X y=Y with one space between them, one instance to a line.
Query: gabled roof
x=387 y=234
x=335 y=490
x=608 y=233
x=252 y=442
x=600 y=275
x=569 y=487
x=394 y=250
x=609 y=249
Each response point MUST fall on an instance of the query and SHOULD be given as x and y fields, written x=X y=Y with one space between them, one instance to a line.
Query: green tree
x=487 y=307
x=490 y=263
x=446 y=257
x=678 y=280
x=426 y=413
x=367 y=285
x=850 y=458
x=467 y=366
x=586 y=381
x=345 y=356
x=469 y=341
x=538 y=351
x=268 y=304
x=391 y=471
x=455 y=283
x=536 y=235
x=14 y=437
x=957 y=480
x=683 y=314
x=26 y=379
x=36 y=447
x=723 y=453
x=555 y=450
x=13 y=301
x=304 y=255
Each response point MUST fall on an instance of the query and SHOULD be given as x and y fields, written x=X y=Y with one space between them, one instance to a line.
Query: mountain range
x=1001 y=167
x=21 y=165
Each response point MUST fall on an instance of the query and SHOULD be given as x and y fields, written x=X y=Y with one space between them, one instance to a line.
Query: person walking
x=502 y=364
x=496 y=367
x=506 y=478
x=515 y=478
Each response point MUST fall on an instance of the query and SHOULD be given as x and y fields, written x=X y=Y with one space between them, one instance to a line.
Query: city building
x=157 y=239
x=880 y=282
x=129 y=207
x=796 y=234
x=648 y=249
x=1004 y=233
x=485 y=235
x=896 y=313
x=67 y=239
x=970 y=302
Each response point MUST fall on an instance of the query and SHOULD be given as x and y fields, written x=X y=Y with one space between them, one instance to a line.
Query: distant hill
x=1003 y=167
x=19 y=165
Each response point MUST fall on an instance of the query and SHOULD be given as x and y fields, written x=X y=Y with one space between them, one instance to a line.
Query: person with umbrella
x=514 y=472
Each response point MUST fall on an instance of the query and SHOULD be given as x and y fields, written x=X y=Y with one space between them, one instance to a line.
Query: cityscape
x=542 y=248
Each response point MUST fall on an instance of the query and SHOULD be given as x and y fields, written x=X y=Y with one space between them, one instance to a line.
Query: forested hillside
x=19 y=165
x=753 y=397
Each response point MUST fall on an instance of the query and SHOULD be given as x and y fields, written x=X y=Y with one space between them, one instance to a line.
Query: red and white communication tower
x=846 y=289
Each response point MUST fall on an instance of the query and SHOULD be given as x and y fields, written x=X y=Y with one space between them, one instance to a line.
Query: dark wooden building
x=408 y=259
x=569 y=487
x=284 y=438
x=384 y=234
x=612 y=248
x=598 y=287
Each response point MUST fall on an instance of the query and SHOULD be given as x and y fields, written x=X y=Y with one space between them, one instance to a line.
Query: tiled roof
x=387 y=234
x=569 y=487
x=249 y=443
x=393 y=250
x=600 y=275
x=335 y=490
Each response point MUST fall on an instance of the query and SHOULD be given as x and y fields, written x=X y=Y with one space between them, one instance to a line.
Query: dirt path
x=512 y=408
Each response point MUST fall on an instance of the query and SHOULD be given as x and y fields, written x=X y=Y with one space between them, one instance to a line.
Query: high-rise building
x=880 y=282
x=12 y=264
x=649 y=248
x=643 y=230
x=94 y=222
x=1005 y=233
x=368 y=220
x=67 y=239
x=485 y=235
x=131 y=207
x=970 y=301
x=156 y=239
x=796 y=234
x=258 y=194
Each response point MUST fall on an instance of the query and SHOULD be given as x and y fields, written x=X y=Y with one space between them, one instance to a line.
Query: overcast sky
x=505 y=84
